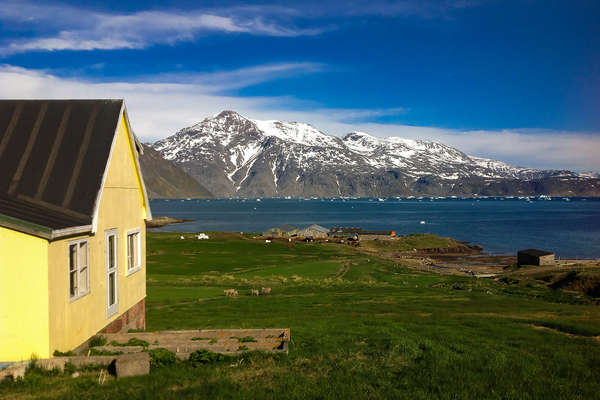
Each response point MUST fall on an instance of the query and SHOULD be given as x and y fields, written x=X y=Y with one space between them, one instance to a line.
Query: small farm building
x=281 y=231
x=314 y=231
x=535 y=257
x=73 y=208
x=341 y=232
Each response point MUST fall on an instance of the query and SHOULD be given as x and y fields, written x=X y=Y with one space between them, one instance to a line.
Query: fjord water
x=570 y=228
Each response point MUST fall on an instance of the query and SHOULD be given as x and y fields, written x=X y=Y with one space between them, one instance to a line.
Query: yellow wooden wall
x=122 y=207
x=24 y=321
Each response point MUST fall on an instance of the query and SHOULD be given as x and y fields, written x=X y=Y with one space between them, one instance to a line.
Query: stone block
x=80 y=361
x=132 y=365
x=14 y=371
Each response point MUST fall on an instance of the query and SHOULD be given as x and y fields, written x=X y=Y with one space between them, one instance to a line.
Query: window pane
x=72 y=257
x=135 y=257
x=130 y=251
x=83 y=280
x=73 y=270
x=73 y=283
x=111 y=289
x=111 y=251
x=83 y=254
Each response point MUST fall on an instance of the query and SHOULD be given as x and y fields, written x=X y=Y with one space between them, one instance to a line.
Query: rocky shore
x=159 y=222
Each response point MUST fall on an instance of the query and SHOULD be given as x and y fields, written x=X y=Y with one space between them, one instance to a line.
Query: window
x=112 y=299
x=79 y=274
x=134 y=261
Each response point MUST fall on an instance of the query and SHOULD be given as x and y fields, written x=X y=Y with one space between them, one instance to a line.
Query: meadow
x=362 y=327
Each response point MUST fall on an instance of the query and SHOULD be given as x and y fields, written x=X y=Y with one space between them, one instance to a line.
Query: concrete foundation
x=183 y=343
x=134 y=318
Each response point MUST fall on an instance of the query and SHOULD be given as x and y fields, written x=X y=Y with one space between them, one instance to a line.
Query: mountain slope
x=163 y=179
x=234 y=156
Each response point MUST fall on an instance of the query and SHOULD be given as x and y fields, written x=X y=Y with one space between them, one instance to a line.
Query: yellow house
x=73 y=208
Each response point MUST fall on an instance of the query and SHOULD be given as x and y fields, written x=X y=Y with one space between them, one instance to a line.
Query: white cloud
x=232 y=79
x=57 y=27
x=159 y=108
x=318 y=9
x=72 y=28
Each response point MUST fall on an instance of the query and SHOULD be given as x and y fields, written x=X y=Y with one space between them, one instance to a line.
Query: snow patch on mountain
x=296 y=132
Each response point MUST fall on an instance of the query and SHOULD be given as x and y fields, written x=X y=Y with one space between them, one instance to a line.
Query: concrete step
x=223 y=340
x=201 y=333
x=227 y=345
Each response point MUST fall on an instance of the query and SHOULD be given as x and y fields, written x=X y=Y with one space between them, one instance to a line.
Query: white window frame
x=138 y=258
x=79 y=293
x=112 y=309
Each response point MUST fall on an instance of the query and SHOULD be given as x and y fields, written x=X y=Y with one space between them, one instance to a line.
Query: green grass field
x=362 y=327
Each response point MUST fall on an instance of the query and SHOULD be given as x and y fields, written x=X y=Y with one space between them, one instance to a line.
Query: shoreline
x=474 y=252
x=532 y=197
x=500 y=226
x=159 y=222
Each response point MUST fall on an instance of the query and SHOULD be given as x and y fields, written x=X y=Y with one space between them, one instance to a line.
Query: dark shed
x=535 y=257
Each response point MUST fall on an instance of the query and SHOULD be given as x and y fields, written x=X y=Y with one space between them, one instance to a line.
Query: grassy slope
x=418 y=241
x=362 y=327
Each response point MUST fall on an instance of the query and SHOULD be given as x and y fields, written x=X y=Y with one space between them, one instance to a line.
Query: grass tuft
x=199 y=357
x=97 y=341
x=161 y=357
x=131 y=342
x=58 y=353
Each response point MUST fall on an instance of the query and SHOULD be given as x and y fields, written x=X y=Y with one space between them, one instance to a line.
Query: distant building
x=535 y=257
x=281 y=231
x=314 y=231
x=342 y=232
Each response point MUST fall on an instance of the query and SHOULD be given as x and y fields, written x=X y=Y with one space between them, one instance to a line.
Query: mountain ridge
x=235 y=156
x=163 y=179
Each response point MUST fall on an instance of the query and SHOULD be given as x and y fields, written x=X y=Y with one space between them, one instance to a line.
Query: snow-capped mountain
x=420 y=158
x=233 y=156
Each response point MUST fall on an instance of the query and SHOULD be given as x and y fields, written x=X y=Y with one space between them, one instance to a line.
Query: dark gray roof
x=339 y=229
x=281 y=228
x=53 y=154
x=286 y=228
x=316 y=227
x=535 y=252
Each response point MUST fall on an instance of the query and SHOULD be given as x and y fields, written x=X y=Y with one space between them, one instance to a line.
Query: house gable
x=123 y=168
x=122 y=175
x=121 y=208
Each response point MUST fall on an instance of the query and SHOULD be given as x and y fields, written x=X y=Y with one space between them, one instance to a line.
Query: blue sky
x=513 y=80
